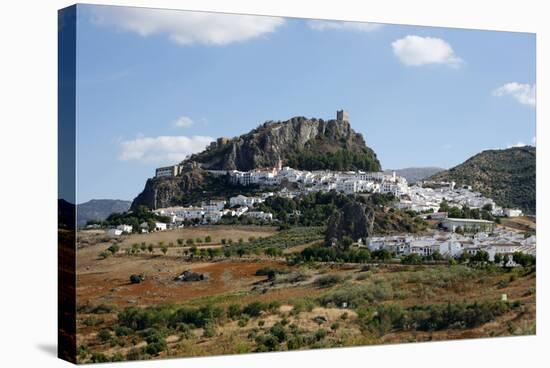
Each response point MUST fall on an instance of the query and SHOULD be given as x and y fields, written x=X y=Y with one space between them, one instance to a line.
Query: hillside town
x=423 y=197
x=451 y=244
x=452 y=237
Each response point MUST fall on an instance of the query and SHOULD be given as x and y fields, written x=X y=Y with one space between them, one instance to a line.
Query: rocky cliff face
x=301 y=143
x=334 y=140
x=165 y=192
x=355 y=220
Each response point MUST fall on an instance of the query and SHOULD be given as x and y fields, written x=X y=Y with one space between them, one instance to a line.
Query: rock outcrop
x=354 y=220
x=309 y=144
x=167 y=191
x=332 y=142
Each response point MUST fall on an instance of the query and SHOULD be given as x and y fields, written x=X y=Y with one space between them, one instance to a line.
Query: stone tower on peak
x=342 y=115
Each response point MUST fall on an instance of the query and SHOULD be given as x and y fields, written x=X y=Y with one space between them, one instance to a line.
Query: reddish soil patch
x=109 y=281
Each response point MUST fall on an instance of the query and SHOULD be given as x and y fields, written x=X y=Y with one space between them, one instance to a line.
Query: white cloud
x=324 y=25
x=183 y=122
x=185 y=27
x=521 y=92
x=163 y=149
x=519 y=144
x=417 y=51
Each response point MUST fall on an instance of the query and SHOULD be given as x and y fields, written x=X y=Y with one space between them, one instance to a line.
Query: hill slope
x=302 y=143
x=414 y=174
x=508 y=176
x=99 y=209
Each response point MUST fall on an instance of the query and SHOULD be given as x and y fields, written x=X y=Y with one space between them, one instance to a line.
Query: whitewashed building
x=125 y=228
x=512 y=212
x=260 y=215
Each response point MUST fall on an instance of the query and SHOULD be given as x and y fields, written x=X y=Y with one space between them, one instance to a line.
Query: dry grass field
x=522 y=223
x=318 y=305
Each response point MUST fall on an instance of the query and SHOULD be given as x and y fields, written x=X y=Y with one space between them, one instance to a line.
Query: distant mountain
x=302 y=143
x=414 y=174
x=100 y=209
x=508 y=176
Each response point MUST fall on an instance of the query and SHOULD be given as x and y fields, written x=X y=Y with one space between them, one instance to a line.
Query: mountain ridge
x=99 y=209
x=507 y=175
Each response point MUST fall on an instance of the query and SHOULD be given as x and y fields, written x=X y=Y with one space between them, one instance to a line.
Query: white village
x=452 y=237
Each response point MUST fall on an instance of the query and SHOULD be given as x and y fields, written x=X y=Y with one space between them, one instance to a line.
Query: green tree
x=411 y=259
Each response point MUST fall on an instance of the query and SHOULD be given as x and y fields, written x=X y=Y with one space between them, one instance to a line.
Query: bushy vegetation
x=271 y=272
x=333 y=254
x=137 y=278
x=508 y=176
x=467 y=212
x=272 y=245
x=341 y=160
x=328 y=280
x=354 y=295
x=432 y=317
x=135 y=218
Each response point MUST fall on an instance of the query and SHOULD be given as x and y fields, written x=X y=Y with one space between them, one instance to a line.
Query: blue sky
x=155 y=85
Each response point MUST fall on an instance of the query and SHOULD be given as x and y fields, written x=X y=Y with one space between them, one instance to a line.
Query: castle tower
x=342 y=115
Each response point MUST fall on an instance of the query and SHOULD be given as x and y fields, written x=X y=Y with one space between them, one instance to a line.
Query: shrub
x=136 y=279
x=103 y=309
x=208 y=239
x=411 y=259
x=99 y=358
x=209 y=330
x=113 y=248
x=357 y=294
x=271 y=272
x=328 y=280
x=180 y=241
x=254 y=309
x=278 y=331
x=92 y=321
x=122 y=330
x=104 y=335
x=155 y=348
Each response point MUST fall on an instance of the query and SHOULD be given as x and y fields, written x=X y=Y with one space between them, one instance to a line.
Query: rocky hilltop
x=508 y=176
x=302 y=143
x=299 y=142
